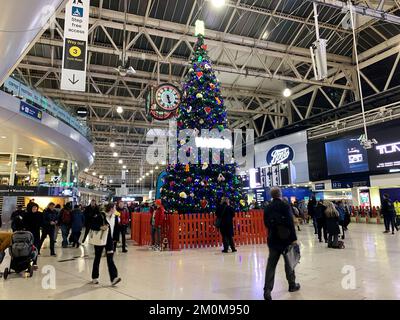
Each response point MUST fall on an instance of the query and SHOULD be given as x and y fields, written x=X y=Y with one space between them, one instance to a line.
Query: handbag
x=98 y=238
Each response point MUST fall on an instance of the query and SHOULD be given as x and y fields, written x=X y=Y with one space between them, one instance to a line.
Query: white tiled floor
x=209 y=274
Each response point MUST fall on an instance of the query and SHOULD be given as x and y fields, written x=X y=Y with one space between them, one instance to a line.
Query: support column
x=68 y=171
x=12 y=169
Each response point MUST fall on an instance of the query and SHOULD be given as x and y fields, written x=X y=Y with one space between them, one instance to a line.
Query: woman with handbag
x=225 y=214
x=103 y=233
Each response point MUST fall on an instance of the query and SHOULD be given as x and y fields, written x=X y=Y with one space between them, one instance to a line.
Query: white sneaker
x=115 y=281
x=95 y=281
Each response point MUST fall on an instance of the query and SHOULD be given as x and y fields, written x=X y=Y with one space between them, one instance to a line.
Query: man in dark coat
x=389 y=214
x=50 y=220
x=225 y=213
x=311 y=208
x=281 y=234
x=90 y=211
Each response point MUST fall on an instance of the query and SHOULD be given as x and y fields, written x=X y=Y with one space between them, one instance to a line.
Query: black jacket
x=49 y=216
x=387 y=208
x=33 y=222
x=226 y=214
x=311 y=207
x=98 y=220
x=89 y=213
x=278 y=219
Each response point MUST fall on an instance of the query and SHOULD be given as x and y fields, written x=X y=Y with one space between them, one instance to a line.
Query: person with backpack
x=225 y=214
x=123 y=223
x=388 y=213
x=278 y=220
x=65 y=221
x=77 y=223
x=50 y=220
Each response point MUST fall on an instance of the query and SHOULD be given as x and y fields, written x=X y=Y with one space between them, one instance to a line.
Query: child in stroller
x=23 y=253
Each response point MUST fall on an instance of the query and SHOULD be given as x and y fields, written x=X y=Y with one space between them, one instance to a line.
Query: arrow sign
x=73 y=81
x=73 y=75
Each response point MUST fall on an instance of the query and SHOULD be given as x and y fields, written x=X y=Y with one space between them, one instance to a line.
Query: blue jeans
x=65 y=233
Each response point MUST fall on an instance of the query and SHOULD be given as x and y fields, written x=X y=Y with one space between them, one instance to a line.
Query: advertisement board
x=346 y=156
x=290 y=150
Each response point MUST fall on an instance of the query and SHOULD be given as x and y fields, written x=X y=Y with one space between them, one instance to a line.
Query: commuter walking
x=312 y=208
x=397 y=210
x=157 y=220
x=342 y=216
x=90 y=211
x=57 y=227
x=77 y=223
x=278 y=220
x=332 y=224
x=388 y=213
x=106 y=221
x=225 y=214
x=124 y=223
x=50 y=220
x=321 y=221
x=65 y=220
x=33 y=222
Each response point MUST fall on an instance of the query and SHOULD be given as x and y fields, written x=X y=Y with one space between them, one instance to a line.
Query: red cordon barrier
x=185 y=231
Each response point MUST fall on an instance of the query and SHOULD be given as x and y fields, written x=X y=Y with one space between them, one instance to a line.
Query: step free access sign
x=76 y=30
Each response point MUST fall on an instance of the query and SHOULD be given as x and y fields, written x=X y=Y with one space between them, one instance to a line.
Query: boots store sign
x=284 y=150
x=281 y=153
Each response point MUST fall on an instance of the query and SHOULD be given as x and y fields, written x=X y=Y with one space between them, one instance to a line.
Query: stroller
x=23 y=253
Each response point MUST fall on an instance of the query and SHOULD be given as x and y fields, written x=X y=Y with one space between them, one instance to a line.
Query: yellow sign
x=75 y=51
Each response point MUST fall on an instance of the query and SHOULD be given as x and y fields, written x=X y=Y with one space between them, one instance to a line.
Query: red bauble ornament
x=189 y=179
x=212 y=85
x=204 y=47
x=179 y=123
x=207 y=110
x=172 y=183
x=199 y=74
x=203 y=203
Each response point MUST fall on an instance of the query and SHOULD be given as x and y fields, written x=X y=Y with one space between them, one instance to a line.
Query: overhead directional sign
x=76 y=30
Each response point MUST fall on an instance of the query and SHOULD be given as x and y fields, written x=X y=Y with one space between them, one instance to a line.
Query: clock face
x=168 y=97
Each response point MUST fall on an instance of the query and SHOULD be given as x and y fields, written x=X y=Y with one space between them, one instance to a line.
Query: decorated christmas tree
x=197 y=187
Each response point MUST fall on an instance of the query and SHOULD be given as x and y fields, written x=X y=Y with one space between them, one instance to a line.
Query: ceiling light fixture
x=94 y=173
x=123 y=167
x=287 y=93
x=147 y=174
x=115 y=154
x=120 y=161
x=86 y=170
x=120 y=110
x=218 y=3
x=101 y=177
x=156 y=168
x=110 y=181
x=265 y=35
x=112 y=144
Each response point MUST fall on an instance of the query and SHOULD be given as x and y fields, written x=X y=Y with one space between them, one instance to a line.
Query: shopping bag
x=292 y=253
x=98 y=238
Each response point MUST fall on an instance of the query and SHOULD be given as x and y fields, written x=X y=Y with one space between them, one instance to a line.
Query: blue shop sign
x=30 y=111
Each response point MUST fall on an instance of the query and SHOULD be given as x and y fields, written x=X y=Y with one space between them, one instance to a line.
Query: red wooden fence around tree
x=198 y=231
